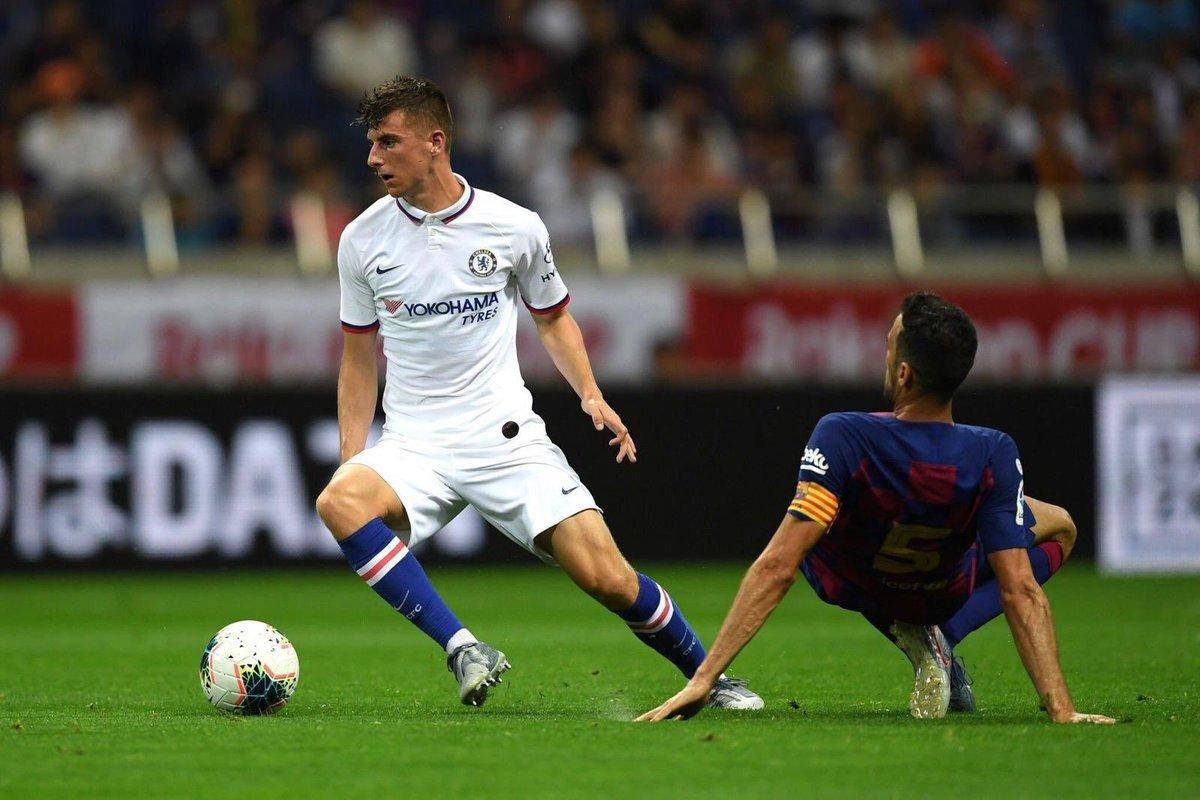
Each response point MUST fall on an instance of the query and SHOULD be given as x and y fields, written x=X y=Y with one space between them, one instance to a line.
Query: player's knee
x=344 y=508
x=330 y=504
x=1067 y=533
x=613 y=586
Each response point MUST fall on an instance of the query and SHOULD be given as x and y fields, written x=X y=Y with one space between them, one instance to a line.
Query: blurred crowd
x=231 y=106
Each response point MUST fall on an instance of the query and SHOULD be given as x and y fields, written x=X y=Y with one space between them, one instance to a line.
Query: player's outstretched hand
x=1096 y=719
x=684 y=705
x=603 y=417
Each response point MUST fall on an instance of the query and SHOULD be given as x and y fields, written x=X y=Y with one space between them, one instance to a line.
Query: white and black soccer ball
x=248 y=667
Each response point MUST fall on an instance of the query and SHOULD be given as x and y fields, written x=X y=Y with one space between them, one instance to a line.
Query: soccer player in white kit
x=437 y=268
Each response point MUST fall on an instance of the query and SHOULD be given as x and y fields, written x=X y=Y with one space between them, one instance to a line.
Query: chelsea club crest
x=482 y=263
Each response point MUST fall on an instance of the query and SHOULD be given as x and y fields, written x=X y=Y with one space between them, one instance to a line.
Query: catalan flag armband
x=814 y=502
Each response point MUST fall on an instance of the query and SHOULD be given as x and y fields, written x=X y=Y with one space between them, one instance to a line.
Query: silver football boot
x=962 y=696
x=929 y=653
x=476 y=667
x=733 y=693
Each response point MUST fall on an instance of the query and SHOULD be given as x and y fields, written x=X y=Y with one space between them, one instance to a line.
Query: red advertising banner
x=39 y=333
x=1025 y=332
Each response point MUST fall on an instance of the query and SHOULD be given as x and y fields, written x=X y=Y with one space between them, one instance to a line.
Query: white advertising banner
x=209 y=329
x=622 y=320
x=238 y=330
x=1148 y=464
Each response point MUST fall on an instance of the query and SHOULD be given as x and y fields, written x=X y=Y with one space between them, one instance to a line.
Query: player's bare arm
x=560 y=335
x=1029 y=618
x=762 y=589
x=358 y=390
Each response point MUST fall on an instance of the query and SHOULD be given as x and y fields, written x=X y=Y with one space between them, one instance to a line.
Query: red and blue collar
x=446 y=215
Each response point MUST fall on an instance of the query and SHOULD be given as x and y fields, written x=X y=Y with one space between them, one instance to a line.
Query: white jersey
x=443 y=288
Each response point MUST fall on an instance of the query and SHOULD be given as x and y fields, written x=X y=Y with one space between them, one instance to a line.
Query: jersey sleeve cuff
x=805 y=517
x=352 y=328
x=561 y=304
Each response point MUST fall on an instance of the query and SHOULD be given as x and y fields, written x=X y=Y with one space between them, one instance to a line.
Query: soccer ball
x=248 y=667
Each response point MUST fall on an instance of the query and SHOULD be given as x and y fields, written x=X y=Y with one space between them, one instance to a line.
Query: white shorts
x=523 y=487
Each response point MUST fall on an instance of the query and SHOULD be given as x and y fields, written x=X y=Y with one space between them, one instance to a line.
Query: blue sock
x=385 y=564
x=984 y=603
x=656 y=620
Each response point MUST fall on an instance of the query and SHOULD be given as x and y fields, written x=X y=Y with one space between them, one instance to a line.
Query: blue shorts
x=917 y=606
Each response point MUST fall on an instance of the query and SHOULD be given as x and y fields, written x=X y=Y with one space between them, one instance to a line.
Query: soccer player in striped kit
x=437 y=268
x=918 y=523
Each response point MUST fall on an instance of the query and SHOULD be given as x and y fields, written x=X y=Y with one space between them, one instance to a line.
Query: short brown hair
x=416 y=97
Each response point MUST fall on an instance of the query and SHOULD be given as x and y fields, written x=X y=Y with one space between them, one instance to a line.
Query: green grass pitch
x=99 y=696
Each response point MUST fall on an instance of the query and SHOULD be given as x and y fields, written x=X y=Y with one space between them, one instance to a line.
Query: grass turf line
x=99 y=695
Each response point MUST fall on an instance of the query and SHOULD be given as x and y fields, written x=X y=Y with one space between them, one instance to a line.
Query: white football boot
x=733 y=693
x=929 y=653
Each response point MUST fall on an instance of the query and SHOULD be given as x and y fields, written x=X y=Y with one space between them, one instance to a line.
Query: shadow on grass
x=452 y=715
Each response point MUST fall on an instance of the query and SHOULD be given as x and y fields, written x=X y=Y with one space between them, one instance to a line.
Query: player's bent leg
x=1054 y=524
x=1054 y=535
x=1053 y=538
x=355 y=496
x=353 y=507
x=583 y=546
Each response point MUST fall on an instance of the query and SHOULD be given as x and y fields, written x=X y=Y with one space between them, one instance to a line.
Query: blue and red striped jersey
x=903 y=502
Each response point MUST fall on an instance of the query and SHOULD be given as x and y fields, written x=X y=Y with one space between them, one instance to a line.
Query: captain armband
x=815 y=502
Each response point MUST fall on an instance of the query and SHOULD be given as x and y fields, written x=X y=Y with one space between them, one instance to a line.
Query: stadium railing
x=1086 y=231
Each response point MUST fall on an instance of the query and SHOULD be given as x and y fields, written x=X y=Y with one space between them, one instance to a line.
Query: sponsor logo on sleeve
x=814 y=461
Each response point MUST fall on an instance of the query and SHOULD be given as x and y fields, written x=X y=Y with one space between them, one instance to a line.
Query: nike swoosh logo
x=380 y=270
x=568 y=491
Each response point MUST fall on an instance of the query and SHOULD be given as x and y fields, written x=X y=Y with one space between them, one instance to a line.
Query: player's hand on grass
x=603 y=417
x=684 y=705
x=1075 y=717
